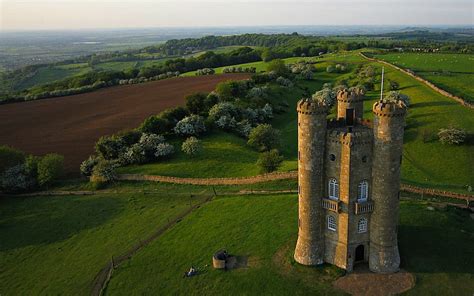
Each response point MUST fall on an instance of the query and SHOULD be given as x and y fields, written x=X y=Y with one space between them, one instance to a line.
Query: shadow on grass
x=46 y=220
x=445 y=247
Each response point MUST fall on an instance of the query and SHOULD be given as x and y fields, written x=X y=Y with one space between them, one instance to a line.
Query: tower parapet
x=350 y=99
x=389 y=122
x=312 y=125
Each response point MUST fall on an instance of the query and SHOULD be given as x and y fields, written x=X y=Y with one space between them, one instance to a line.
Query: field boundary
x=424 y=81
x=233 y=181
x=102 y=279
x=211 y=181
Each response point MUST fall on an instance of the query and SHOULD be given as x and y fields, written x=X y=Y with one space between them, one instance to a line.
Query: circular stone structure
x=219 y=259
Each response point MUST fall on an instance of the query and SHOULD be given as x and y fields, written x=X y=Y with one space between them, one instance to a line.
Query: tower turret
x=350 y=105
x=389 y=121
x=311 y=144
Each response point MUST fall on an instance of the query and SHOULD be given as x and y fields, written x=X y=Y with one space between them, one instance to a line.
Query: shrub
x=452 y=136
x=17 y=179
x=393 y=85
x=10 y=157
x=192 y=146
x=50 y=168
x=164 y=149
x=330 y=69
x=135 y=154
x=269 y=161
x=284 y=82
x=88 y=165
x=155 y=125
x=264 y=137
x=191 y=125
x=173 y=115
x=104 y=172
x=205 y=71
x=326 y=95
x=394 y=96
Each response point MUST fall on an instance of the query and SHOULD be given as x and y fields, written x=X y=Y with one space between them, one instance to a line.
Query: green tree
x=50 y=168
x=264 y=137
x=278 y=66
x=224 y=91
x=10 y=157
x=269 y=161
x=267 y=55
x=155 y=125
x=196 y=103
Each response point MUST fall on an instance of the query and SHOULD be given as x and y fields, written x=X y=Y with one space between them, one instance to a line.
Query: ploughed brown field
x=71 y=125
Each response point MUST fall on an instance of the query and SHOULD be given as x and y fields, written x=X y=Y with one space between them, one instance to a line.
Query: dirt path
x=212 y=181
x=422 y=80
x=71 y=125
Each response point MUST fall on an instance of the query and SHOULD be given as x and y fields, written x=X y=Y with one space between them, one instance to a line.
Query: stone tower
x=349 y=179
x=389 y=122
x=311 y=144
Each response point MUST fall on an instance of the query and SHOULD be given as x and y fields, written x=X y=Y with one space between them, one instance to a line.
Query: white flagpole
x=381 y=88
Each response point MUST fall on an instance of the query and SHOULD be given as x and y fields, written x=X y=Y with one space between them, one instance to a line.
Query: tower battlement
x=350 y=95
x=309 y=106
x=350 y=138
x=389 y=109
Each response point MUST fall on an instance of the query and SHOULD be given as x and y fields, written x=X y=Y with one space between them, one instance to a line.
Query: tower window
x=362 y=225
x=333 y=189
x=332 y=157
x=364 y=158
x=332 y=223
x=363 y=191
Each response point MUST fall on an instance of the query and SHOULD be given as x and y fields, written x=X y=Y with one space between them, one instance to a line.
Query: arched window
x=333 y=189
x=363 y=191
x=332 y=223
x=362 y=225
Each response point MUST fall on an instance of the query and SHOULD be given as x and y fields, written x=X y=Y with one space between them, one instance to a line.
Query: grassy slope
x=224 y=155
x=428 y=164
x=56 y=245
x=49 y=74
x=432 y=164
x=427 y=243
x=452 y=72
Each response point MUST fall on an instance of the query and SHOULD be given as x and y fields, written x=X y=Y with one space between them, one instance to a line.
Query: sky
x=87 y=14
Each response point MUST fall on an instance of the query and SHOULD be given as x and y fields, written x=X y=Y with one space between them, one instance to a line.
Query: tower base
x=384 y=259
x=308 y=252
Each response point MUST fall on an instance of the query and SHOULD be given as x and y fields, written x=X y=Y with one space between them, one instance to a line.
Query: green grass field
x=50 y=74
x=56 y=245
x=452 y=72
x=267 y=243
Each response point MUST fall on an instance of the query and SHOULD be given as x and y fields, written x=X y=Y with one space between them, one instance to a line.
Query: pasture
x=86 y=231
x=451 y=72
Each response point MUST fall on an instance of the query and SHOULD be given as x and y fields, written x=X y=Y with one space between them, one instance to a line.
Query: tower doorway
x=359 y=253
x=350 y=116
